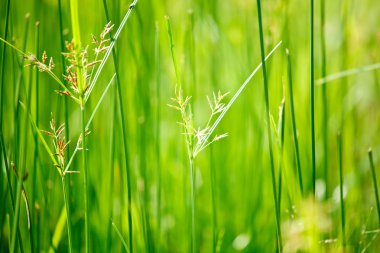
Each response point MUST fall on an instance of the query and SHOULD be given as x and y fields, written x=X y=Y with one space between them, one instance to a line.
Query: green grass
x=262 y=89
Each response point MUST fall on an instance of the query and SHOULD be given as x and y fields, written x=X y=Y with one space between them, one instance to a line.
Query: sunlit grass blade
x=374 y=181
x=120 y=237
x=121 y=109
x=110 y=47
x=233 y=99
x=347 y=73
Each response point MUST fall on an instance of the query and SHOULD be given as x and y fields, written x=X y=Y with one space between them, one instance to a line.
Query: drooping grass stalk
x=122 y=116
x=341 y=194
x=157 y=134
x=266 y=90
x=293 y=117
x=375 y=189
x=325 y=106
x=64 y=171
x=312 y=94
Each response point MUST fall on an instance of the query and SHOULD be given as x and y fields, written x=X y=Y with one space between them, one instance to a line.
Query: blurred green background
x=217 y=46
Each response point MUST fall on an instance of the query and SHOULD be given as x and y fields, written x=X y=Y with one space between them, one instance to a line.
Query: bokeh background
x=217 y=46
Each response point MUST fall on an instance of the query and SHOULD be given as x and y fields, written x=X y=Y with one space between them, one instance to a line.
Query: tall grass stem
x=266 y=93
x=293 y=117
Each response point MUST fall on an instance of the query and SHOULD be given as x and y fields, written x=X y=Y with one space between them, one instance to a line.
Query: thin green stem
x=112 y=172
x=22 y=161
x=174 y=57
x=120 y=237
x=341 y=195
x=266 y=90
x=294 y=124
x=77 y=42
x=192 y=186
x=2 y=63
x=346 y=73
x=123 y=118
x=375 y=189
x=3 y=60
x=312 y=94
x=213 y=202
x=85 y=179
x=205 y=142
x=324 y=99
x=67 y=205
x=282 y=141
x=7 y=172
x=36 y=154
x=110 y=49
x=157 y=133
x=65 y=98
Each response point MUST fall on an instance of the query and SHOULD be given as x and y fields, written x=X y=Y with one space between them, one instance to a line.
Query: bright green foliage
x=153 y=185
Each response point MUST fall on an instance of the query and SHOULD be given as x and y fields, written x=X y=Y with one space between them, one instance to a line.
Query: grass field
x=189 y=126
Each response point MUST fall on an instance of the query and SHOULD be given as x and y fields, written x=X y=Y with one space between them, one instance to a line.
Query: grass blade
x=110 y=47
x=266 y=93
x=341 y=193
x=294 y=124
x=375 y=189
x=230 y=103
x=312 y=95
x=120 y=237
x=347 y=73
x=89 y=122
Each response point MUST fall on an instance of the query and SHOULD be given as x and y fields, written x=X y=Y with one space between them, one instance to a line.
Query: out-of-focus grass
x=217 y=46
